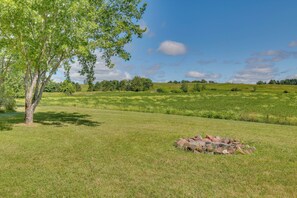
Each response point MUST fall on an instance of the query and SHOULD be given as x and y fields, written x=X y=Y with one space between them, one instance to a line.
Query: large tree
x=44 y=35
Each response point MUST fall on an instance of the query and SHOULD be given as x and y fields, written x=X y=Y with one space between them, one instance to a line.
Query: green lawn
x=84 y=152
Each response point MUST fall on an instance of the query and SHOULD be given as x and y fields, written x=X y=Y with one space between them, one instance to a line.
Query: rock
x=214 y=145
x=218 y=150
x=209 y=137
x=180 y=143
x=206 y=140
x=225 y=152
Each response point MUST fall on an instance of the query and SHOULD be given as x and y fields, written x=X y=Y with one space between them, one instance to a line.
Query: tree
x=124 y=85
x=261 y=82
x=140 y=84
x=137 y=84
x=43 y=35
x=67 y=87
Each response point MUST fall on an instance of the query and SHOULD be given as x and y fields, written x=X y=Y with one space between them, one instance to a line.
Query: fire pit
x=214 y=145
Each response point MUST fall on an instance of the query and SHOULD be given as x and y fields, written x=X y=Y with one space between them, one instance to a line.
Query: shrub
x=67 y=87
x=203 y=87
x=7 y=103
x=77 y=86
x=197 y=87
x=235 y=89
x=161 y=90
x=184 y=87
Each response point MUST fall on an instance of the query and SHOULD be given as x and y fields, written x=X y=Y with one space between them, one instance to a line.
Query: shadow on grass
x=57 y=119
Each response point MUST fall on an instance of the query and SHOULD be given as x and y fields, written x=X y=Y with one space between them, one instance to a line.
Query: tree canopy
x=40 y=36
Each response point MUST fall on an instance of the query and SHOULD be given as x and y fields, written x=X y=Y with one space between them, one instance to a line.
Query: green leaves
x=42 y=29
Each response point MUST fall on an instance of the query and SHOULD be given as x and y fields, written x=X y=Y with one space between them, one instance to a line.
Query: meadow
x=267 y=104
x=120 y=144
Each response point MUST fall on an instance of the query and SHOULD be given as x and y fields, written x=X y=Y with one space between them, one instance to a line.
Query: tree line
x=136 y=84
x=68 y=87
x=203 y=81
x=279 y=82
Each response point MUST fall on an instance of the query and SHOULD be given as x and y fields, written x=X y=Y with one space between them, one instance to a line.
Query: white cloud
x=262 y=66
x=172 y=48
x=200 y=75
x=293 y=44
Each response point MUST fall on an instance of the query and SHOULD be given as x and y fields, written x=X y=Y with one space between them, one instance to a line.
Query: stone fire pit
x=214 y=145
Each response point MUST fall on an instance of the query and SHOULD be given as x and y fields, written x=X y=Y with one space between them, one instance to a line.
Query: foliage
x=184 y=87
x=141 y=84
x=53 y=86
x=197 y=87
x=11 y=85
x=136 y=84
x=161 y=90
x=43 y=35
x=7 y=102
x=279 y=82
x=67 y=87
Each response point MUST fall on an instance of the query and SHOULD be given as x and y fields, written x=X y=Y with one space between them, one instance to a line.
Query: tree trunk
x=29 y=114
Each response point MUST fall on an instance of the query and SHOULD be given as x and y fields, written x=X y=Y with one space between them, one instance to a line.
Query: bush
x=235 y=89
x=161 y=90
x=197 y=87
x=77 y=86
x=7 y=103
x=67 y=87
x=184 y=87
x=203 y=87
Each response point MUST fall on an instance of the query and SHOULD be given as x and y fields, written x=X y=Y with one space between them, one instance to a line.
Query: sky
x=237 y=41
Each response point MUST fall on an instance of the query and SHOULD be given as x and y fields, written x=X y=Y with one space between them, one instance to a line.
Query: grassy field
x=269 y=104
x=85 y=152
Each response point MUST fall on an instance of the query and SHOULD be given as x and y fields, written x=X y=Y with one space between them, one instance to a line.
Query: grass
x=260 y=106
x=85 y=152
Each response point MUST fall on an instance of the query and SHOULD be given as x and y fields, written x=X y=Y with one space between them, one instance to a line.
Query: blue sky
x=239 y=41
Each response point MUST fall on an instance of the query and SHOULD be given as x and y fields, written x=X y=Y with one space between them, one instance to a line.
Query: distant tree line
x=136 y=84
x=203 y=81
x=66 y=87
x=279 y=82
